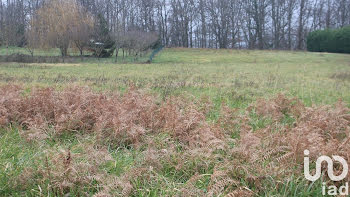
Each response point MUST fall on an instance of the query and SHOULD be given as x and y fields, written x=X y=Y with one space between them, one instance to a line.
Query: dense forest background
x=252 y=24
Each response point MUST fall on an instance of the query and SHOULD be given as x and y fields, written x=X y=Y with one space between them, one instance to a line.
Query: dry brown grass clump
x=276 y=107
x=341 y=76
x=277 y=150
x=62 y=172
x=188 y=124
x=123 y=119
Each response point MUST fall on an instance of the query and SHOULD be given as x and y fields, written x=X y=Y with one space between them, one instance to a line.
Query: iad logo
x=332 y=190
x=329 y=161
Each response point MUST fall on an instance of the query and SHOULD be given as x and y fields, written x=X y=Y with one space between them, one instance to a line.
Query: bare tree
x=301 y=23
x=290 y=10
x=119 y=39
x=81 y=33
x=58 y=21
x=32 y=38
x=138 y=41
x=254 y=24
x=220 y=23
x=202 y=12
x=2 y=19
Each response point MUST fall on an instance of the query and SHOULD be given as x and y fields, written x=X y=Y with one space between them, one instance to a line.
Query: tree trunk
x=81 y=54
x=64 y=52
x=116 y=54
x=301 y=25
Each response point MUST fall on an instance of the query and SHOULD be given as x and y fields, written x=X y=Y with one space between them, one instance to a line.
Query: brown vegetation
x=123 y=118
x=135 y=119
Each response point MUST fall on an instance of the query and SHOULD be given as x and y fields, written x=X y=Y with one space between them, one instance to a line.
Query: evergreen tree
x=103 y=39
x=334 y=41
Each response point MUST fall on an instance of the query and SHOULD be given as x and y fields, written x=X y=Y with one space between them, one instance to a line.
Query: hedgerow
x=335 y=41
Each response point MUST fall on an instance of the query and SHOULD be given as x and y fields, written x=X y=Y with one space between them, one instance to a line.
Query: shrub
x=342 y=40
x=335 y=41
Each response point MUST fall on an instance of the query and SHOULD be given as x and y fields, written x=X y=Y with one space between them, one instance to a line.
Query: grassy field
x=200 y=88
x=238 y=77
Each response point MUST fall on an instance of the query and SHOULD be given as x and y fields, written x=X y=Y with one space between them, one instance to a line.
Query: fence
x=154 y=53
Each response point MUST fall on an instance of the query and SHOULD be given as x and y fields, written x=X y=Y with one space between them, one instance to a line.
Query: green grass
x=235 y=77
x=17 y=155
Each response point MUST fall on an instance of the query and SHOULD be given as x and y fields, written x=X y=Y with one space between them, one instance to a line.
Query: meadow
x=238 y=77
x=194 y=122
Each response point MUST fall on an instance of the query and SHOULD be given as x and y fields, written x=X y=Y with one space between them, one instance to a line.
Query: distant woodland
x=251 y=24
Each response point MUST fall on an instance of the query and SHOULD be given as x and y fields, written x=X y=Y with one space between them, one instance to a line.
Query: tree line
x=252 y=24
